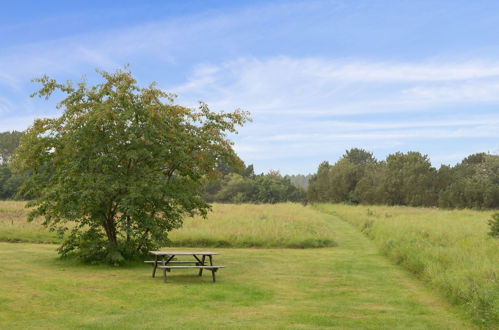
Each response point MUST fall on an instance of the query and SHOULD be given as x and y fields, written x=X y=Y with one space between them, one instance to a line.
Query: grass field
x=284 y=225
x=449 y=249
x=350 y=285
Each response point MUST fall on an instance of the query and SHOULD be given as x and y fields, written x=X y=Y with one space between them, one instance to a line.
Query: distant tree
x=346 y=173
x=318 y=189
x=359 y=156
x=475 y=183
x=409 y=179
x=9 y=141
x=370 y=189
x=121 y=166
x=235 y=188
x=343 y=177
x=337 y=183
x=274 y=188
x=9 y=183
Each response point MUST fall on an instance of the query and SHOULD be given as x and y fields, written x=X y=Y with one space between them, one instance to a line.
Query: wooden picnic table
x=166 y=261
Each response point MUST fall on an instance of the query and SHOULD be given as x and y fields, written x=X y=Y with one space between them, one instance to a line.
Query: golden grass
x=247 y=225
x=15 y=228
x=288 y=225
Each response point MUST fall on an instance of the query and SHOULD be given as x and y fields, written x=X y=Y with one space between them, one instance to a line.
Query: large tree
x=122 y=165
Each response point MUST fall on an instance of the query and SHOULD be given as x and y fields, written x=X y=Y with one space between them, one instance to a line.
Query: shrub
x=494 y=225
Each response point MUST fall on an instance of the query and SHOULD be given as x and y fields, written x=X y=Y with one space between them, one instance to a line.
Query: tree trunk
x=110 y=228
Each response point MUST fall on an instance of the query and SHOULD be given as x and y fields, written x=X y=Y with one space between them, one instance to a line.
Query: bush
x=494 y=225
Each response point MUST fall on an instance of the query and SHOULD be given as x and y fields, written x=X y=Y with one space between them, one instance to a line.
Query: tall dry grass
x=246 y=225
x=287 y=225
x=15 y=228
x=448 y=248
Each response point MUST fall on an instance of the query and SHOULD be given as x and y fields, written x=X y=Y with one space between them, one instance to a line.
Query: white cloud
x=320 y=86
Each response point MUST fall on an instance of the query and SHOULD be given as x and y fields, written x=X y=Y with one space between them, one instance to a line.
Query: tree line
x=407 y=179
x=240 y=184
x=235 y=183
x=357 y=177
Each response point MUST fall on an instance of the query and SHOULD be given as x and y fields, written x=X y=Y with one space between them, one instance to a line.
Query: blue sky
x=319 y=77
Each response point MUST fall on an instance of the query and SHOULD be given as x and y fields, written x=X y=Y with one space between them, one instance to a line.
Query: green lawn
x=348 y=286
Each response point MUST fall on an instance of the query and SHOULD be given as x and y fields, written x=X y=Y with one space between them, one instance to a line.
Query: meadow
x=449 y=249
x=280 y=284
x=15 y=228
x=286 y=225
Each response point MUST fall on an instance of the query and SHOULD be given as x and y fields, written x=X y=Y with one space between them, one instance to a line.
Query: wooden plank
x=171 y=262
x=185 y=253
x=189 y=267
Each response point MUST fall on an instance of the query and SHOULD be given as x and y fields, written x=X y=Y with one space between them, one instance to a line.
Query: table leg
x=211 y=260
x=169 y=259
x=213 y=271
x=202 y=264
x=164 y=275
x=155 y=266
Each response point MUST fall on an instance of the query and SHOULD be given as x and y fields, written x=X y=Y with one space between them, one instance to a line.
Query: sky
x=318 y=77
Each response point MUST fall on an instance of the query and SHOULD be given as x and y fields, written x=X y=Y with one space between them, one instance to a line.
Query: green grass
x=349 y=286
x=247 y=225
x=449 y=249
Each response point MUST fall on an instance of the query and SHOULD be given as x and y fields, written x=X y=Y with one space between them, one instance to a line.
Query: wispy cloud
x=312 y=85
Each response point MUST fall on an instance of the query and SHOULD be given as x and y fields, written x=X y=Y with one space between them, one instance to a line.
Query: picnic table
x=166 y=261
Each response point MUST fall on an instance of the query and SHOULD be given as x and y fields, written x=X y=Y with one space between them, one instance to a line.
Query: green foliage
x=234 y=188
x=241 y=185
x=121 y=166
x=273 y=188
x=494 y=226
x=318 y=189
x=9 y=141
x=407 y=179
x=9 y=183
x=475 y=184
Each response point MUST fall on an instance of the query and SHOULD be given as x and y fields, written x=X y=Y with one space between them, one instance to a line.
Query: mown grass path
x=348 y=286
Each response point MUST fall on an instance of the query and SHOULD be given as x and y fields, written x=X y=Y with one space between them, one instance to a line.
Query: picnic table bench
x=165 y=260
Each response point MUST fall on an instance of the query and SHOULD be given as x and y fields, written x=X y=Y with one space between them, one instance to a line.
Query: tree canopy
x=122 y=165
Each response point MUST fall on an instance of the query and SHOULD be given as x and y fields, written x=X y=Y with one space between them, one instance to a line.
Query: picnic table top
x=177 y=253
